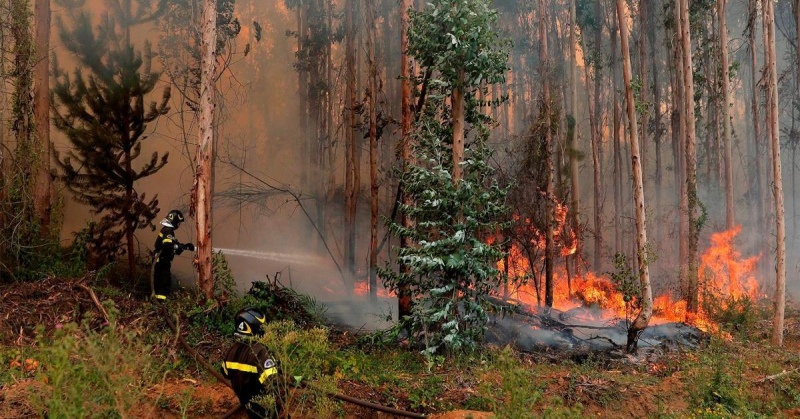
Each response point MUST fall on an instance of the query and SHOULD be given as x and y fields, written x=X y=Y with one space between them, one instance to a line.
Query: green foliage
x=20 y=229
x=451 y=268
x=224 y=282
x=303 y=357
x=102 y=109
x=626 y=280
x=515 y=398
x=720 y=390
x=89 y=372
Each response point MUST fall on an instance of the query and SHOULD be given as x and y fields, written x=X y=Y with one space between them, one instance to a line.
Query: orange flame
x=723 y=274
x=361 y=288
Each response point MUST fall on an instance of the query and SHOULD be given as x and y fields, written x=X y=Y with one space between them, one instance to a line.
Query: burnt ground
x=627 y=387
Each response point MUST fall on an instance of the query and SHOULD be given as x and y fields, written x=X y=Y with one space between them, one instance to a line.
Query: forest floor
x=736 y=376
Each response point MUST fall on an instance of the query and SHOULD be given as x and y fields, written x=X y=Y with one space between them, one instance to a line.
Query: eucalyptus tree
x=454 y=202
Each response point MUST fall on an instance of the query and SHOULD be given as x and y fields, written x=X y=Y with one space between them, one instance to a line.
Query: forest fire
x=361 y=288
x=724 y=275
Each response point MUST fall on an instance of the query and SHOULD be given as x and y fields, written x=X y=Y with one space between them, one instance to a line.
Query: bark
x=331 y=149
x=573 y=133
x=596 y=140
x=757 y=182
x=643 y=318
x=549 y=209
x=644 y=18
x=350 y=152
x=617 y=157
x=407 y=113
x=41 y=109
x=691 y=159
x=373 y=151
x=678 y=134
x=777 y=185
x=725 y=119
x=658 y=131
x=205 y=152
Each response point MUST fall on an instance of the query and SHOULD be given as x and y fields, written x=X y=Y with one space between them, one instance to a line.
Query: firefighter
x=166 y=247
x=249 y=367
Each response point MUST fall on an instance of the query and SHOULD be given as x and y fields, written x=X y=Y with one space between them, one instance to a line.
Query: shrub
x=305 y=358
x=92 y=373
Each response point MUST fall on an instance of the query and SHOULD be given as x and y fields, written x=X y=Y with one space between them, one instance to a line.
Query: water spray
x=274 y=256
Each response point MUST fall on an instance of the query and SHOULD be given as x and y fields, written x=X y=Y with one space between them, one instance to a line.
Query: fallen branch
x=96 y=301
x=776 y=376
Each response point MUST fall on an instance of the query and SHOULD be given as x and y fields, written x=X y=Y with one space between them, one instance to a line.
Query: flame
x=361 y=288
x=724 y=274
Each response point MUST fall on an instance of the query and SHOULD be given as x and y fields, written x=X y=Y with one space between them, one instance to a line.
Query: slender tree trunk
x=643 y=318
x=331 y=149
x=350 y=152
x=678 y=135
x=549 y=245
x=691 y=159
x=617 y=158
x=777 y=188
x=596 y=144
x=644 y=18
x=205 y=152
x=658 y=131
x=373 y=151
x=757 y=183
x=41 y=105
x=572 y=129
x=407 y=113
x=726 y=116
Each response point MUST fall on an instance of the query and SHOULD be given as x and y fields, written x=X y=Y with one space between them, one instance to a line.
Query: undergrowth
x=93 y=372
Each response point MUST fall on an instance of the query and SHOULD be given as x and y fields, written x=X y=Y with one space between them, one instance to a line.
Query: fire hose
x=348 y=399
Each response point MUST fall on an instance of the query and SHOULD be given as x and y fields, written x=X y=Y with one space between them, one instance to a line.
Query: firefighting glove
x=189 y=247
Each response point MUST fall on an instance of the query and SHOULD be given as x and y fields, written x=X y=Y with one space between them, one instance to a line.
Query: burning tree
x=454 y=202
x=102 y=110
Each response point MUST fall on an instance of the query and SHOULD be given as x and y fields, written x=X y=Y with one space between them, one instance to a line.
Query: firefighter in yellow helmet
x=250 y=368
x=165 y=249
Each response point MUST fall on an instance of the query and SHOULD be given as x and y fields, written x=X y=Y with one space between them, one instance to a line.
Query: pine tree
x=102 y=110
x=452 y=267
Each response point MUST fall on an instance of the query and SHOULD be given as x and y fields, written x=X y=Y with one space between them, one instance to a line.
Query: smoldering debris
x=582 y=330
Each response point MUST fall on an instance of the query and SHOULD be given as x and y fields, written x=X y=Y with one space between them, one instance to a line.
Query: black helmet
x=174 y=219
x=248 y=322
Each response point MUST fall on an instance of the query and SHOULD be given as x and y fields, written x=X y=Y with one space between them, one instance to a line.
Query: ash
x=585 y=330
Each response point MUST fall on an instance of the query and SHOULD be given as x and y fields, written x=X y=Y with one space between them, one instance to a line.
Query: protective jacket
x=166 y=247
x=252 y=372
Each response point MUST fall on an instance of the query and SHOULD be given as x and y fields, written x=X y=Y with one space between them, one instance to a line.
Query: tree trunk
x=617 y=157
x=41 y=105
x=658 y=131
x=331 y=148
x=777 y=182
x=643 y=318
x=691 y=159
x=757 y=182
x=545 y=114
x=350 y=152
x=596 y=144
x=373 y=151
x=205 y=152
x=644 y=18
x=407 y=113
x=572 y=129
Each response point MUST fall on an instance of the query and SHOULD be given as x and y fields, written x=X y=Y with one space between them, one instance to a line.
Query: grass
x=720 y=379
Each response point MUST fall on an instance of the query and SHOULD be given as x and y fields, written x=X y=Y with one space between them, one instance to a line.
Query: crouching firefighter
x=250 y=368
x=165 y=249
